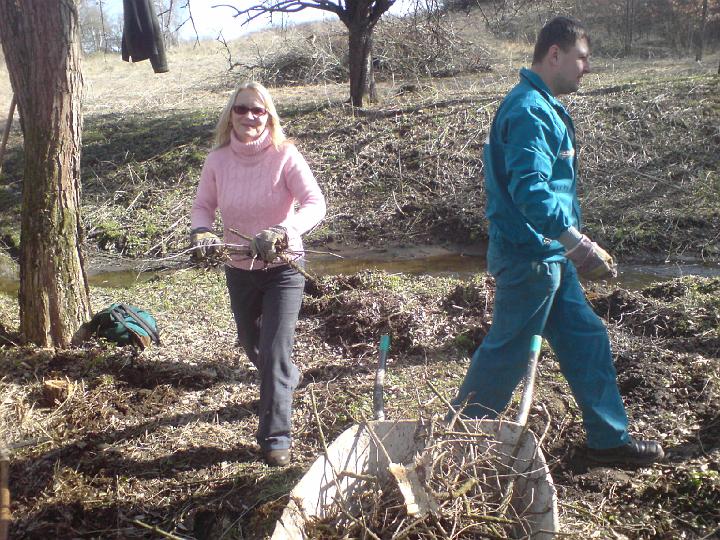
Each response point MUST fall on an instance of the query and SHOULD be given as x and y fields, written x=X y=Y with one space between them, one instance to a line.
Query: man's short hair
x=561 y=31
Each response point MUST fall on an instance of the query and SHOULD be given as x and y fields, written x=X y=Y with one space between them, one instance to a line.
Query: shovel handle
x=378 y=401
x=527 y=395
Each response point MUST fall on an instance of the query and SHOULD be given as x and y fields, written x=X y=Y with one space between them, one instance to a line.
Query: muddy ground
x=165 y=438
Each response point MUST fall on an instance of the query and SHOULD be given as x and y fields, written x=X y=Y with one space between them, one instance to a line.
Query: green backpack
x=125 y=325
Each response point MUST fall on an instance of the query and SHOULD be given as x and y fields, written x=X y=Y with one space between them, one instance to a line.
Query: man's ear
x=553 y=54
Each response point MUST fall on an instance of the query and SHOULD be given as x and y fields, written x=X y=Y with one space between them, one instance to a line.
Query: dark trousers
x=265 y=304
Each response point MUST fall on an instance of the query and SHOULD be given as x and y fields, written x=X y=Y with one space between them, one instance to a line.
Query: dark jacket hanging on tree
x=142 y=38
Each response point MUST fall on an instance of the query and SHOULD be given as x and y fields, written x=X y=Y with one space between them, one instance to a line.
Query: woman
x=265 y=191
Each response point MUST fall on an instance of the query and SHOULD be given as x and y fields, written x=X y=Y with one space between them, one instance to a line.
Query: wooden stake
x=6 y=134
x=156 y=530
x=5 y=515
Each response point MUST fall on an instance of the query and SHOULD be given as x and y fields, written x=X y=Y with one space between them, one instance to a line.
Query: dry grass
x=166 y=437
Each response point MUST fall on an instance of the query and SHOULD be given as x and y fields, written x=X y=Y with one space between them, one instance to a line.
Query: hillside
x=406 y=170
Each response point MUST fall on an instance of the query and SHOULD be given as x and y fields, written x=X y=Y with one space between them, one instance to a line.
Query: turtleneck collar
x=252 y=148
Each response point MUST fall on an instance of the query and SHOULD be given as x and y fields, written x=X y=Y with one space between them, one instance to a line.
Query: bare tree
x=629 y=25
x=701 y=33
x=358 y=16
x=92 y=30
x=40 y=40
x=499 y=15
x=169 y=13
x=99 y=30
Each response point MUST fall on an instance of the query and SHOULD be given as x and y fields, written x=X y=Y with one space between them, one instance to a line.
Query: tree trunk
x=370 y=88
x=701 y=33
x=40 y=40
x=360 y=45
x=629 y=25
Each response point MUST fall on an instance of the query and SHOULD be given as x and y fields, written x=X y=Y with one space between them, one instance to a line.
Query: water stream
x=414 y=261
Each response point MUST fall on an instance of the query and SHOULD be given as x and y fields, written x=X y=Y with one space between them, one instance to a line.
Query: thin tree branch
x=284 y=6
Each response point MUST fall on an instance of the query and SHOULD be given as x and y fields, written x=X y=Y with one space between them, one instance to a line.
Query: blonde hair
x=224 y=125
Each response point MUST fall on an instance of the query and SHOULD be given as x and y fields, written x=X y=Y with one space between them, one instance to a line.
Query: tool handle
x=527 y=395
x=378 y=401
x=5 y=515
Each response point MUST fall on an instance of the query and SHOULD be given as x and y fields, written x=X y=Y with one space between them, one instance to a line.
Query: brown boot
x=277 y=458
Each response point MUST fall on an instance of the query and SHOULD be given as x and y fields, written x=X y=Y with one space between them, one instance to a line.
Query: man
x=536 y=251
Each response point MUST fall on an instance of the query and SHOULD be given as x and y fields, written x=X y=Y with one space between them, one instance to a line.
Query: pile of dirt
x=683 y=314
x=358 y=308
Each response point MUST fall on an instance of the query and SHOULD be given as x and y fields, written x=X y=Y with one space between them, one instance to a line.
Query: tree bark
x=701 y=33
x=629 y=25
x=370 y=87
x=40 y=40
x=360 y=44
x=360 y=18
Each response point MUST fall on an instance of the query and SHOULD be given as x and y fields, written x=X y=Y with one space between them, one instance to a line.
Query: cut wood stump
x=56 y=391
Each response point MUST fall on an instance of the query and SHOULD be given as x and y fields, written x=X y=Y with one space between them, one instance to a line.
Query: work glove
x=268 y=243
x=204 y=243
x=591 y=261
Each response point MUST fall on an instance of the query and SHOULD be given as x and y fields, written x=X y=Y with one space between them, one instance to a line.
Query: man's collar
x=536 y=81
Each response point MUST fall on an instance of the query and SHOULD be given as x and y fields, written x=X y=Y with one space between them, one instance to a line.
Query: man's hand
x=267 y=244
x=204 y=244
x=591 y=261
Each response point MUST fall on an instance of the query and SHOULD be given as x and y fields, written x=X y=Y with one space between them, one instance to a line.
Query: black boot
x=632 y=453
x=277 y=458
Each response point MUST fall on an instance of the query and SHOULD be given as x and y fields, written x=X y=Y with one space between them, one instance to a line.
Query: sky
x=210 y=21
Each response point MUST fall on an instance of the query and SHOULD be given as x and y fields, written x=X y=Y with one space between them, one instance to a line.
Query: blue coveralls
x=530 y=177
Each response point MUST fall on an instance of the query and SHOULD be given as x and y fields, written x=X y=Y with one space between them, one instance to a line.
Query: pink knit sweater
x=255 y=187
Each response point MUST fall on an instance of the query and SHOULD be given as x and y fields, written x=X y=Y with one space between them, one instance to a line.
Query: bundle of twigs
x=464 y=473
x=223 y=253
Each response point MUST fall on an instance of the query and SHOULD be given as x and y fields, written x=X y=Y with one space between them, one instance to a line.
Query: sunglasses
x=255 y=111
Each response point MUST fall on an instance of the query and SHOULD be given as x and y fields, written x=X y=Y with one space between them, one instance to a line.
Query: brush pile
x=466 y=480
